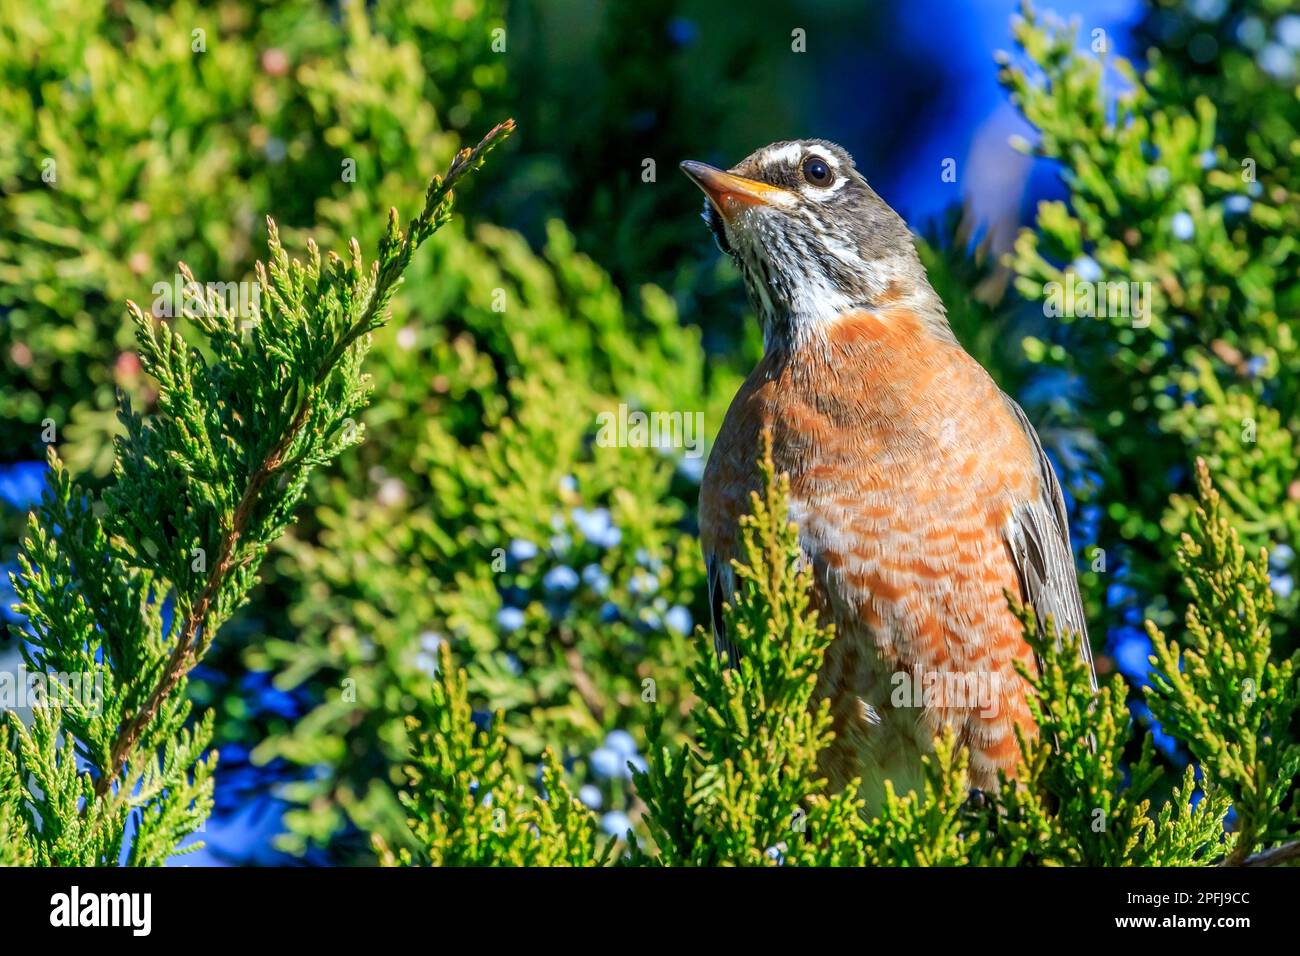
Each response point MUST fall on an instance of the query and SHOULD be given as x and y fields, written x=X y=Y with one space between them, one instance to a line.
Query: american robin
x=921 y=492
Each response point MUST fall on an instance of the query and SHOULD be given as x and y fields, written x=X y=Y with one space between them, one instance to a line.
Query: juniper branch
x=1277 y=856
x=395 y=253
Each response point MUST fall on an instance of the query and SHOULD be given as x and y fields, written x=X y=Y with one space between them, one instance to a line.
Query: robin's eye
x=817 y=171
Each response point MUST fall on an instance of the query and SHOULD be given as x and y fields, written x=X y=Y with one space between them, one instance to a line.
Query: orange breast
x=905 y=466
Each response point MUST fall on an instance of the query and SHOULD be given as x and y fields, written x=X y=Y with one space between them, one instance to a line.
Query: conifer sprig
x=465 y=803
x=345 y=283
x=749 y=792
x=217 y=470
x=1221 y=691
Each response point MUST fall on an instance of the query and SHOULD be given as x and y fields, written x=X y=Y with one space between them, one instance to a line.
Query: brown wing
x=1039 y=539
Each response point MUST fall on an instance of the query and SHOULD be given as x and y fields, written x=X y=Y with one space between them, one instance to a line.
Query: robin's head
x=811 y=238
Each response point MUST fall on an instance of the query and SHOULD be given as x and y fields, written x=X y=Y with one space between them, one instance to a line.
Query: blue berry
x=514 y=596
x=682 y=32
x=1288 y=30
x=1120 y=593
x=597 y=526
x=1277 y=61
x=1252 y=32
x=1183 y=226
x=595 y=578
x=646 y=559
x=622 y=743
x=615 y=823
x=590 y=796
x=560 y=578
x=1086 y=268
x=1237 y=205
x=679 y=619
x=606 y=763
x=522 y=550
x=510 y=619
x=592 y=524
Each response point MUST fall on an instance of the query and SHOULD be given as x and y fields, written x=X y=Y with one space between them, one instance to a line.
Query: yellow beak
x=728 y=192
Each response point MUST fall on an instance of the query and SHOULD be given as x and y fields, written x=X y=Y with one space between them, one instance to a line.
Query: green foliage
x=746 y=791
x=201 y=488
x=94 y=608
x=1173 y=183
x=140 y=134
x=1077 y=802
x=1221 y=691
x=15 y=847
x=466 y=805
x=483 y=435
x=418 y=546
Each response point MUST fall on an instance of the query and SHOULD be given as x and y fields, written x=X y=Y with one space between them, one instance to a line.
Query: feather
x=719 y=591
x=1039 y=538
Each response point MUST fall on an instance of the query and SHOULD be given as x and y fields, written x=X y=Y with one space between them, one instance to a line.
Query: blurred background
x=133 y=135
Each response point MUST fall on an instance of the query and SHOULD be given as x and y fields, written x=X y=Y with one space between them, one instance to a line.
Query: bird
x=921 y=492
